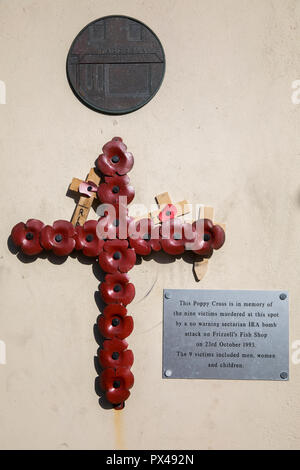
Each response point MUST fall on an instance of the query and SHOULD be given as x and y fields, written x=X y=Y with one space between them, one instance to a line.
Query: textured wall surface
x=223 y=131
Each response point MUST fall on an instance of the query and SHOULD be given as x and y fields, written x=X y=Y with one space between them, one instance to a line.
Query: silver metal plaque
x=223 y=334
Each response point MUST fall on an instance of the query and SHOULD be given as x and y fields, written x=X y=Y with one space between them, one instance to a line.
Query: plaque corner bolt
x=284 y=375
x=283 y=296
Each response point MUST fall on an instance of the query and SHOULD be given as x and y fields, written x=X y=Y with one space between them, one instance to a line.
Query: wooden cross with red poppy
x=168 y=210
x=115 y=240
x=87 y=190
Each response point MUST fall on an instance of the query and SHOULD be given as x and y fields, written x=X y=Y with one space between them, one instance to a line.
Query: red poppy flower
x=114 y=354
x=116 y=256
x=114 y=224
x=59 y=238
x=114 y=187
x=87 y=239
x=116 y=288
x=209 y=237
x=115 y=158
x=175 y=235
x=115 y=323
x=169 y=212
x=27 y=236
x=144 y=236
x=116 y=382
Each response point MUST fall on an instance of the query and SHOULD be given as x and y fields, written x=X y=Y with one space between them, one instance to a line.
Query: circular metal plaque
x=115 y=65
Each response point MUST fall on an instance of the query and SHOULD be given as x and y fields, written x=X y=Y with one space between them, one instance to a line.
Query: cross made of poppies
x=115 y=240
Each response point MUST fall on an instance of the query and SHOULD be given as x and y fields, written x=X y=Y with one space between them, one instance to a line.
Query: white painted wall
x=222 y=131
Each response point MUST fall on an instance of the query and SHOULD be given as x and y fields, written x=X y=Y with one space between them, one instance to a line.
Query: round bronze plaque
x=115 y=65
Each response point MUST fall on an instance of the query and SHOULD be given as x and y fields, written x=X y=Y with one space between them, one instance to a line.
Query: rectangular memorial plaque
x=221 y=334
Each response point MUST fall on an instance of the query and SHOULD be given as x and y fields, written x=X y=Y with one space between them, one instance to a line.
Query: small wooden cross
x=163 y=200
x=85 y=201
x=182 y=208
x=200 y=267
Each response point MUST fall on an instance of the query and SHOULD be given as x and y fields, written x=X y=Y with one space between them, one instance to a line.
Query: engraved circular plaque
x=115 y=65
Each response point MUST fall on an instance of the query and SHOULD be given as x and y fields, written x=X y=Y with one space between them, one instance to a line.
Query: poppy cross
x=160 y=229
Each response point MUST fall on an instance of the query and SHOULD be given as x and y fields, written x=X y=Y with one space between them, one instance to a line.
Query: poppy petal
x=117 y=395
x=18 y=233
x=218 y=237
x=46 y=236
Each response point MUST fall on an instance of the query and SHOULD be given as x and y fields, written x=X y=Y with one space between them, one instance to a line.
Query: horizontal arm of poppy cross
x=114 y=241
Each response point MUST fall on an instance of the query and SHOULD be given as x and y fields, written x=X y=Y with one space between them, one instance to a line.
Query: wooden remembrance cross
x=115 y=240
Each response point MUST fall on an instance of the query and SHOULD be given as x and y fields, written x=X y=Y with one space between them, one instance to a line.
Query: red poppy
x=113 y=188
x=27 y=236
x=115 y=323
x=116 y=382
x=116 y=256
x=114 y=354
x=87 y=239
x=175 y=235
x=169 y=212
x=114 y=224
x=115 y=158
x=88 y=188
x=209 y=237
x=116 y=288
x=59 y=238
x=144 y=236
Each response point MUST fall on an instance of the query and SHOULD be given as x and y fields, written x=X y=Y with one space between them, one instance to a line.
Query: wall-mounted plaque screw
x=167 y=295
x=284 y=375
x=283 y=296
x=168 y=373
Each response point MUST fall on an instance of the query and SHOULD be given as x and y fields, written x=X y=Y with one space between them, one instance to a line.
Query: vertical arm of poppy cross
x=115 y=259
